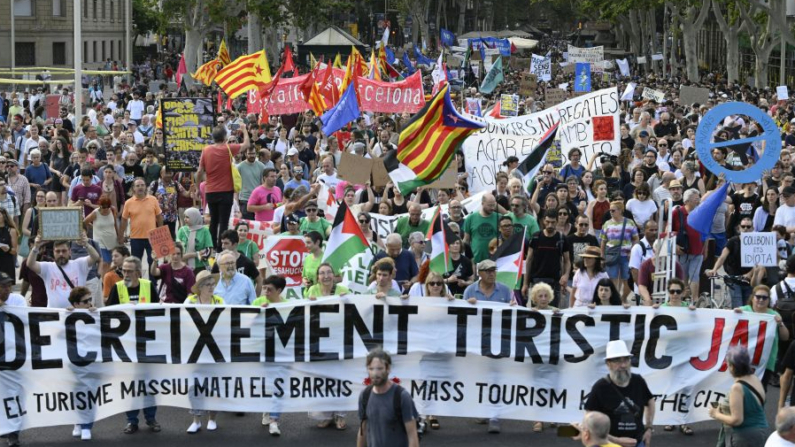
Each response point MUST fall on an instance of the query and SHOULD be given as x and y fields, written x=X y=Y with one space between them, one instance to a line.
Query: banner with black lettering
x=485 y=360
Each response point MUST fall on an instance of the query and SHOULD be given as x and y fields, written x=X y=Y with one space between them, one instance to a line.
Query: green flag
x=493 y=78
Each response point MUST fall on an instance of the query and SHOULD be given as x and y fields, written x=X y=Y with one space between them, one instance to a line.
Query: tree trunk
x=254 y=33
x=760 y=69
x=462 y=16
x=732 y=56
x=193 y=47
x=651 y=26
x=689 y=38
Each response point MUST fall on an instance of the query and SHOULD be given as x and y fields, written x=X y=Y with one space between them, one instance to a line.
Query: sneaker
x=76 y=431
x=494 y=426
x=273 y=428
x=130 y=428
x=85 y=434
x=194 y=428
x=266 y=419
x=212 y=425
x=154 y=426
x=13 y=439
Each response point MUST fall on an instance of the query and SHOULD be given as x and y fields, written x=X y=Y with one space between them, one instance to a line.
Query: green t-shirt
x=249 y=250
x=311 y=263
x=203 y=241
x=320 y=226
x=262 y=300
x=771 y=361
x=314 y=291
x=527 y=221
x=481 y=231
x=404 y=228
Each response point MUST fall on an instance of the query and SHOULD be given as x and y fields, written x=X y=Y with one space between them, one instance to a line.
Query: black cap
x=788 y=191
x=5 y=279
x=292 y=218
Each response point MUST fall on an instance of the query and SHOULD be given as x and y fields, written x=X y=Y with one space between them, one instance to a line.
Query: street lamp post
x=77 y=55
x=13 y=46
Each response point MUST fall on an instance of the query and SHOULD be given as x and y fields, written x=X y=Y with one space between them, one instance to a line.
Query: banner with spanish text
x=488 y=360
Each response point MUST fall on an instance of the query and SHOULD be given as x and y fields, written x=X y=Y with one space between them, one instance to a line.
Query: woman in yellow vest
x=203 y=294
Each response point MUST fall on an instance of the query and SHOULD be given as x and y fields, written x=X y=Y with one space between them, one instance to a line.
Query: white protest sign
x=758 y=249
x=623 y=66
x=588 y=122
x=303 y=355
x=641 y=60
x=542 y=67
x=782 y=93
x=657 y=57
x=594 y=54
x=655 y=95
x=356 y=272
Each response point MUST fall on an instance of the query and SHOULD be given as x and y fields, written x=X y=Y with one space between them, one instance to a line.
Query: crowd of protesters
x=591 y=227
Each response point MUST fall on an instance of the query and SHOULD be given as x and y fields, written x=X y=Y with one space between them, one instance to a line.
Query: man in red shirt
x=215 y=163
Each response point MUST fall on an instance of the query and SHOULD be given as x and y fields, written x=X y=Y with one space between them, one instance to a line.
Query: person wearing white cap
x=625 y=398
x=487 y=288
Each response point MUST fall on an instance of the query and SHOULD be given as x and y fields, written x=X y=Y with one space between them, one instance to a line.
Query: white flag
x=327 y=202
x=629 y=92
x=623 y=66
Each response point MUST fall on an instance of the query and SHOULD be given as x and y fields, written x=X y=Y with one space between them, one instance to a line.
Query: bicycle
x=723 y=300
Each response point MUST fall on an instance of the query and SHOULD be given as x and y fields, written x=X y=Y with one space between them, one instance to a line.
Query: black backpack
x=398 y=409
x=785 y=305
x=682 y=240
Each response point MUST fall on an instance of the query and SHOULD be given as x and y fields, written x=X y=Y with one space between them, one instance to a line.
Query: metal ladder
x=665 y=258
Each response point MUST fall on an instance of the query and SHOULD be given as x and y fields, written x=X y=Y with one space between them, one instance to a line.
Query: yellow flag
x=223 y=54
x=312 y=61
x=338 y=61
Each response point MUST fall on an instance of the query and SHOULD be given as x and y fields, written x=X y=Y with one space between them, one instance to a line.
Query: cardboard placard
x=528 y=85
x=61 y=223
x=654 y=95
x=161 y=241
x=569 y=69
x=689 y=95
x=447 y=180
x=554 y=96
x=380 y=175
x=354 y=169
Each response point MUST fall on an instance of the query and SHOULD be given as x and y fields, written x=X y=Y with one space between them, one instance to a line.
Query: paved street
x=299 y=430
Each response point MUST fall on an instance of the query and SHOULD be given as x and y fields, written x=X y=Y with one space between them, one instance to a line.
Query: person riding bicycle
x=730 y=259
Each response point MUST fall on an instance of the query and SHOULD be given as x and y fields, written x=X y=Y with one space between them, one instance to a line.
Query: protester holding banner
x=548 y=258
x=72 y=272
x=196 y=239
x=233 y=287
x=326 y=285
x=589 y=273
x=244 y=265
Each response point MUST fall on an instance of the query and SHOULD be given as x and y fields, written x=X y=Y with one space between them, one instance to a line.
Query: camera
x=605 y=158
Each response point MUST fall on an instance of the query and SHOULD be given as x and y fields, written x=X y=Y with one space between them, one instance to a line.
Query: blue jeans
x=88 y=426
x=149 y=415
x=739 y=293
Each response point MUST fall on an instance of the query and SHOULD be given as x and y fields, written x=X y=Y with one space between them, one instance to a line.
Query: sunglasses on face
x=746 y=227
x=675 y=291
x=435 y=284
x=762 y=297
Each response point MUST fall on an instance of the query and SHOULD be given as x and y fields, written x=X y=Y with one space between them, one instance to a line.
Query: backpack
x=398 y=409
x=682 y=240
x=785 y=305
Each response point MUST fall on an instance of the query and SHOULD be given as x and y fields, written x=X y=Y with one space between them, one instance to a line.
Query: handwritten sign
x=594 y=54
x=554 y=96
x=782 y=93
x=188 y=126
x=689 y=95
x=653 y=95
x=161 y=241
x=61 y=223
x=528 y=85
x=542 y=67
x=758 y=249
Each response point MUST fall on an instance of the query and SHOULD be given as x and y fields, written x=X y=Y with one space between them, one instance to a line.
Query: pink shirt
x=262 y=195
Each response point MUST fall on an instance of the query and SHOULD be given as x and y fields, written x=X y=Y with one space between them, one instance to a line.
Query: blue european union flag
x=447 y=38
x=390 y=56
x=346 y=110
x=407 y=63
x=582 y=77
x=421 y=59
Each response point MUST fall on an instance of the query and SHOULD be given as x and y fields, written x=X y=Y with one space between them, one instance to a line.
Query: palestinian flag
x=428 y=143
x=346 y=239
x=529 y=166
x=510 y=258
x=441 y=262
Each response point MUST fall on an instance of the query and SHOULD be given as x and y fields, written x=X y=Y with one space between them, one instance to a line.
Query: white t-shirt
x=16 y=300
x=776 y=441
x=785 y=215
x=636 y=256
x=641 y=211
x=136 y=109
x=330 y=180
x=57 y=288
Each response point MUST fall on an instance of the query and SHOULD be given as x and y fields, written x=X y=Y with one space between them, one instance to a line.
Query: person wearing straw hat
x=590 y=269
x=625 y=398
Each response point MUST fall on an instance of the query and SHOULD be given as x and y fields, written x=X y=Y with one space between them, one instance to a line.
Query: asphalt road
x=299 y=430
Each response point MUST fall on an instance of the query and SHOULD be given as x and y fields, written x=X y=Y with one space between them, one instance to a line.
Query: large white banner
x=594 y=54
x=486 y=360
x=588 y=122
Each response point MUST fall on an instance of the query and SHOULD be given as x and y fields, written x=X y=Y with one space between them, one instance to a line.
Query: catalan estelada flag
x=428 y=143
x=245 y=73
x=207 y=72
x=311 y=91
x=223 y=54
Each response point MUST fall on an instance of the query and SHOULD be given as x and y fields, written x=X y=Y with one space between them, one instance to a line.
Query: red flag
x=311 y=92
x=288 y=63
x=266 y=91
x=328 y=88
x=220 y=102
x=181 y=70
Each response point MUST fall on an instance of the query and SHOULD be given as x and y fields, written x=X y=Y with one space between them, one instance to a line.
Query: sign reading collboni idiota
x=487 y=360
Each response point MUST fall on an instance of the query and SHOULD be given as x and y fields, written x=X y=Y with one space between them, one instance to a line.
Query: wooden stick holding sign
x=161 y=241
